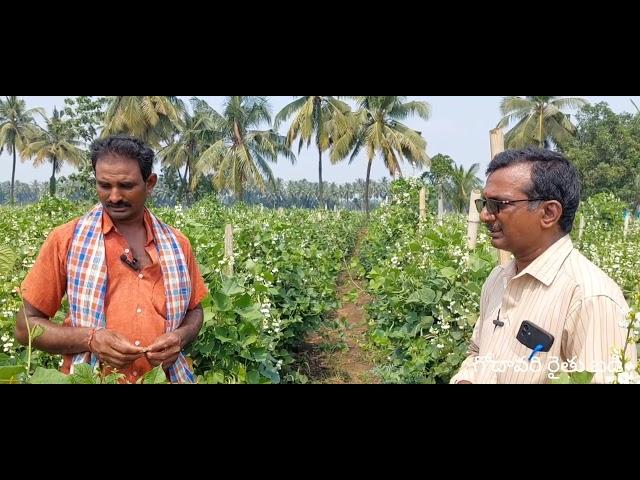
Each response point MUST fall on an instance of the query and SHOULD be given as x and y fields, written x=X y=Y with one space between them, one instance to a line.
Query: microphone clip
x=497 y=322
x=132 y=263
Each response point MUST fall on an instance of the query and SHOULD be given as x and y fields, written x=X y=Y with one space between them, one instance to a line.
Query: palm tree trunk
x=52 y=180
x=366 y=187
x=541 y=142
x=183 y=184
x=319 y=177
x=13 y=174
x=187 y=182
x=239 y=187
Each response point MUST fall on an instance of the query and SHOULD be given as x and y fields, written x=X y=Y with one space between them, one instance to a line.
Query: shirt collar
x=108 y=225
x=545 y=268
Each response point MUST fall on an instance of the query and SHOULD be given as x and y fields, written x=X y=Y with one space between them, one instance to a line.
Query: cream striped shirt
x=563 y=293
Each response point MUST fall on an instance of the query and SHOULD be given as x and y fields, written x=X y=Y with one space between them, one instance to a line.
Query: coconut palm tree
x=151 y=119
x=540 y=120
x=196 y=133
x=463 y=182
x=315 y=118
x=16 y=122
x=56 y=144
x=241 y=154
x=377 y=127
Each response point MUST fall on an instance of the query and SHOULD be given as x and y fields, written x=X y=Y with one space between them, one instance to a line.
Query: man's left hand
x=165 y=350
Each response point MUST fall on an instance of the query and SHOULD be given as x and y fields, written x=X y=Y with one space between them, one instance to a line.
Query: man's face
x=514 y=228
x=120 y=186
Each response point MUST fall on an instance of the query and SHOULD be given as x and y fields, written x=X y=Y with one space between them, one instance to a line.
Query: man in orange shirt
x=133 y=284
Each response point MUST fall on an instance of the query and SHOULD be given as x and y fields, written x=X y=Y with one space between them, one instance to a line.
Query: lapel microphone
x=132 y=263
x=497 y=322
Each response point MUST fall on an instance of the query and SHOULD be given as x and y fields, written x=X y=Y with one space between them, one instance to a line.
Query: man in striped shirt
x=550 y=309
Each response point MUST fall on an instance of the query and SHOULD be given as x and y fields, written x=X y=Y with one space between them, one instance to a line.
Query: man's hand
x=165 y=350
x=113 y=349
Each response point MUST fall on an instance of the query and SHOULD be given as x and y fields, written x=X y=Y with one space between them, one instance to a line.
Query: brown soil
x=335 y=353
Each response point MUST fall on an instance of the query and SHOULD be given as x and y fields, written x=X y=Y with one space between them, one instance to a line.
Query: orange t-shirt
x=135 y=303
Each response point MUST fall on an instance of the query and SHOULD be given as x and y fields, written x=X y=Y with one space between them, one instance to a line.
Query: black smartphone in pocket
x=531 y=335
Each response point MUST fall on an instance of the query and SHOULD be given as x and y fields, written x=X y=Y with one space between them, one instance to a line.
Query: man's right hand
x=113 y=349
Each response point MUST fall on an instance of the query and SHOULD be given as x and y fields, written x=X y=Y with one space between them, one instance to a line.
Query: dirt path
x=335 y=353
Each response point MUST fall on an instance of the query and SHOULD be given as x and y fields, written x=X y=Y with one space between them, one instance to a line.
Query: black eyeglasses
x=493 y=206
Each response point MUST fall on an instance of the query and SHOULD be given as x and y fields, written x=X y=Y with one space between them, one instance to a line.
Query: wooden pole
x=473 y=221
x=581 y=230
x=496 y=138
x=423 y=203
x=627 y=218
x=228 y=249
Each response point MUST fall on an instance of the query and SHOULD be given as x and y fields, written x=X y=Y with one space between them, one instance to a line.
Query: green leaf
x=36 y=331
x=155 y=376
x=414 y=247
x=253 y=377
x=209 y=317
x=426 y=321
x=10 y=372
x=213 y=377
x=436 y=239
x=113 y=378
x=456 y=334
x=563 y=379
x=249 y=340
x=83 y=374
x=231 y=287
x=411 y=317
x=473 y=288
x=424 y=295
x=7 y=259
x=243 y=301
x=247 y=328
x=223 y=336
x=49 y=376
x=582 y=377
x=476 y=263
x=260 y=288
x=271 y=373
x=251 y=313
x=449 y=273
x=250 y=266
x=260 y=354
x=221 y=302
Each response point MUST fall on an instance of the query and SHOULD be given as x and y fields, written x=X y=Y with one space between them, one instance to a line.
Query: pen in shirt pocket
x=538 y=348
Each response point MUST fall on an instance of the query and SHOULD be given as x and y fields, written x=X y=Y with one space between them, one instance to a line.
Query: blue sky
x=459 y=127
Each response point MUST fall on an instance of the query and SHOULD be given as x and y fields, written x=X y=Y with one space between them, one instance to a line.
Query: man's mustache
x=118 y=205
